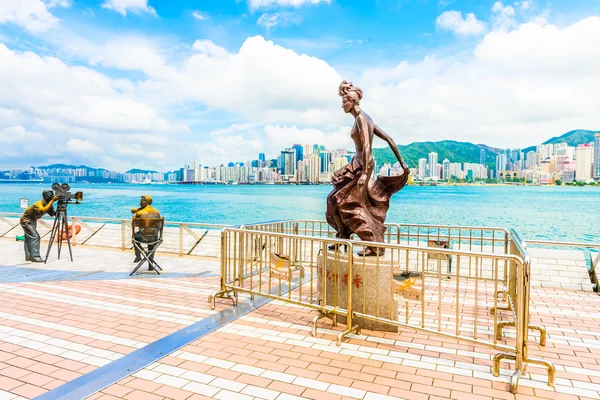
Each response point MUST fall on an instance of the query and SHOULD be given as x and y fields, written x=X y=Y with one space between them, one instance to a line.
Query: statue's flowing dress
x=359 y=214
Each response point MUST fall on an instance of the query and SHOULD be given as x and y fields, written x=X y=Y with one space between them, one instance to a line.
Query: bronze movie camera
x=65 y=196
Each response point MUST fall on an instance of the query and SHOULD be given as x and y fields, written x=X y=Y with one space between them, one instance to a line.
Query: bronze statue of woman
x=358 y=204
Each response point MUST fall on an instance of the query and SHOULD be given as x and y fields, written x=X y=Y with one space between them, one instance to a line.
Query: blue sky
x=156 y=83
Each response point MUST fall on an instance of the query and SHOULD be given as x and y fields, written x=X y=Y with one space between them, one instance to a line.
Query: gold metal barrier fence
x=463 y=294
x=269 y=263
x=183 y=238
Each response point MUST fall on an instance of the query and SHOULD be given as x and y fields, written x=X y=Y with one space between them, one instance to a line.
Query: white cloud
x=19 y=144
x=280 y=136
x=85 y=147
x=519 y=88
x=58 y=3
x=199 y=15
x=233 y=128
x=222 y=149
x=282 y=18
x=131 y=53
x=453 y=21
x=33 y=15
x=262 y=82
x=48 y=88
x=259 y=4
x=134 y=6
x=209 y=48
x=503 y=17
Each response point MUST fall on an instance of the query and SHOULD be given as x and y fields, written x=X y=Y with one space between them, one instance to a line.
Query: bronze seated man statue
x=145 y=235
x=29 y=224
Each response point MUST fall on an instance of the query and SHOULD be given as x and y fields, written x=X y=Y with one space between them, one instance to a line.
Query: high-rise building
x=584 y=161
x=433 y=165
x=299 y=149
x=513 y=156
x=597 y=155
x=545 y=151
x=482 y=156
x=325 y=160
x=456 y=170
x=422 y=168
x=501 y=161
x=261 y=157
x=307 y=150
x=446 y=169
x=531 y=159
x=560 y=149
x=288 y=162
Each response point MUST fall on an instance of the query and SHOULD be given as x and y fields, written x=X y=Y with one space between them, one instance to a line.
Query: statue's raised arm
x=382 y=135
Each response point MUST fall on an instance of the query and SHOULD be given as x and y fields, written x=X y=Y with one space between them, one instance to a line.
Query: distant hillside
x=450 y=149
x=140 y=171
x=69 y=166
x=572 y=138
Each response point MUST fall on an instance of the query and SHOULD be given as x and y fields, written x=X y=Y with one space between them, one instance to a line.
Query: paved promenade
x=63 y=320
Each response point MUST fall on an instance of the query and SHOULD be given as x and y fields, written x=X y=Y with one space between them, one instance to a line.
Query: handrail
x=394 y=246
x=563 y=244
x=78 y=217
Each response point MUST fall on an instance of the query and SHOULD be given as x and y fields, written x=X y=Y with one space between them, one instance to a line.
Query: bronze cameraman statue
x=29 y=224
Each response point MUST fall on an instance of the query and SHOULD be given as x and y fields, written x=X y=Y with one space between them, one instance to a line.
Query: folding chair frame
x=147 y=255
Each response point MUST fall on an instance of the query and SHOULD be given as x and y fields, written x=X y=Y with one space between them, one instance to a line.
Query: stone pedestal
x=368 y=278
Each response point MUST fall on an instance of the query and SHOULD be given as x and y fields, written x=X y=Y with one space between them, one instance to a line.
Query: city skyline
x=145 y=84
x=314 y=163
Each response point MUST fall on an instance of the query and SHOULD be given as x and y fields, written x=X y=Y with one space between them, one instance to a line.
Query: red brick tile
x=139 y=395
x=7 y=384
x=318 y=395
x=29 y=391
x=432 y=390
x=173 y=393
x=117 y=390
x=286 y=388
x=143 y=385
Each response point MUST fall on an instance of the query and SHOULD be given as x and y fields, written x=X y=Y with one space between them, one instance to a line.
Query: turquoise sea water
x=554 y=212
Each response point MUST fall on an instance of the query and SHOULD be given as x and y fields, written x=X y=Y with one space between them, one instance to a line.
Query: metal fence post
x=74 y=238
x=181 y=239
x=122 y=234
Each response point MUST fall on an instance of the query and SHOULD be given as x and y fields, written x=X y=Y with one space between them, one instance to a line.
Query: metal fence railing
x=468 y=284
x=182 y=238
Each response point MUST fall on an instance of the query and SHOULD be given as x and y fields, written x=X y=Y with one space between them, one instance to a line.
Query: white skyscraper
x=433 y=165
x=531 y=159
x=584 y=161
x=597 y=155
x=422 y=168
x=446 y=169
x=501 y=161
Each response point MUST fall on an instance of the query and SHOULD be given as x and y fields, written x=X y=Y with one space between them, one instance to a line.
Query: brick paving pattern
x=54 y=330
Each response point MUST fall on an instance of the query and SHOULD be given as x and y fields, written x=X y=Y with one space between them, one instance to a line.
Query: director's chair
x=147 y=253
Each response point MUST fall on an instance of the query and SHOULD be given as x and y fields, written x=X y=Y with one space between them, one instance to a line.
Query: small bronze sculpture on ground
x=145 y=235
x=29 y=224
x=358 y=204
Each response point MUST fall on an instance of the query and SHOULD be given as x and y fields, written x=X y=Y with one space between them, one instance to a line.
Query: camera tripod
x=60 y=228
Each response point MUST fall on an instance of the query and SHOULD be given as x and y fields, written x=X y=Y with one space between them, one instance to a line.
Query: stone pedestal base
x=368 y=279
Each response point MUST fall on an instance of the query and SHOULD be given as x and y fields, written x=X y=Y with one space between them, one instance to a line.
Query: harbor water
x=537 y=212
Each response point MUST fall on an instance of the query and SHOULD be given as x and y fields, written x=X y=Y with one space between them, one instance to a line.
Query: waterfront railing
x=182 y=238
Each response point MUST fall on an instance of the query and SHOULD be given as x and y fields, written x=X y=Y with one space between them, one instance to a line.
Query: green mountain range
x=572 y=138
x=467 y=152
